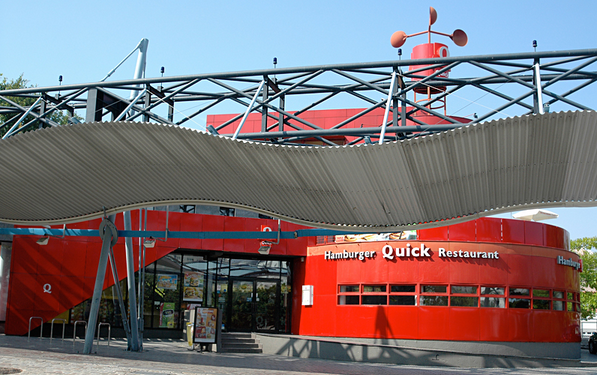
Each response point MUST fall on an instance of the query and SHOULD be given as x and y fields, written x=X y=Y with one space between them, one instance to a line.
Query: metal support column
x=281 y=115
x=388 y=102
x=109 y=236
x=130 y=278
x=147 y=104
x=538 y=97
x=395 y=102
x=125 y=321
x=249 y=109
x=264 y=108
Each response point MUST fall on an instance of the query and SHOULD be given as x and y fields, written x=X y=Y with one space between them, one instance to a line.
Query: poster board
x=206 y=321
x=193 y=287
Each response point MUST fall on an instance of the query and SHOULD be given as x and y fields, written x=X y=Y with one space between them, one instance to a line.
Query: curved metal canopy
x=72 y=173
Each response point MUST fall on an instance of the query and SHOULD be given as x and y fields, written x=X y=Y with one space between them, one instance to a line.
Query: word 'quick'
x=408 y=251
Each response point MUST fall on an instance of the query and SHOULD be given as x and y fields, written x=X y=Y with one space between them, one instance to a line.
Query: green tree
x=59 y=117
x=588 y=277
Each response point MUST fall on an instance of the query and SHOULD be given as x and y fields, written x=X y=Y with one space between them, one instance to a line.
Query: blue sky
x=83 y=41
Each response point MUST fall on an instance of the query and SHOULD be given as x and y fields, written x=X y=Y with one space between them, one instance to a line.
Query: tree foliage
x=59 y=117
x=588 y=277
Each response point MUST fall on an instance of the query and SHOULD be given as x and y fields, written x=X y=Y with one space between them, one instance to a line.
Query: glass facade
x=253 y=294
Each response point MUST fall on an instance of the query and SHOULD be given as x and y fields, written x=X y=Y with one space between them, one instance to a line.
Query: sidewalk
x=45 y=356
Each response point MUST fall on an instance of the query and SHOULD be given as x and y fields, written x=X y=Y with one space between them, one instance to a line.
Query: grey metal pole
x=249 y=109
x=539 y=95
x=130 y=266
x=264 y=97
x=125 y=322
x=109 y=235
x=387 y=111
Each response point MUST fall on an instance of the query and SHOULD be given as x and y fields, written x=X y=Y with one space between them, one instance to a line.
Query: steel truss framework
x=511 y=80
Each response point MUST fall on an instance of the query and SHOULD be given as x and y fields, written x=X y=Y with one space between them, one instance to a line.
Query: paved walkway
x=45 y=356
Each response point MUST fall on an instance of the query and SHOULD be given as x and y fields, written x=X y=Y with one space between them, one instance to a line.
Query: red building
x=501 y=282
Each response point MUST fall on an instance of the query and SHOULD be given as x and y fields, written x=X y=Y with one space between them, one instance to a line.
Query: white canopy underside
x=71 y=173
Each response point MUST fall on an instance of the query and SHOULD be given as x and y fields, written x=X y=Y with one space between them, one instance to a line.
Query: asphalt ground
x=45 y=356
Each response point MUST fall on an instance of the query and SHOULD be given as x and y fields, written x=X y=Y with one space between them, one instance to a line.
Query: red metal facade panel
x=489 y=230
x=534 y=233
x=466 y=231
x=512 y=231
x=433 y=234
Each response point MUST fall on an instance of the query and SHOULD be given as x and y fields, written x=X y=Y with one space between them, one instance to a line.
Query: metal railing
x=99 y=326
x=52 y=327
x=41 y=329
x=75 y=330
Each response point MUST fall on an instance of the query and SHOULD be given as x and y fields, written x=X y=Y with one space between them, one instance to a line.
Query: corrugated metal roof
x=71 y=173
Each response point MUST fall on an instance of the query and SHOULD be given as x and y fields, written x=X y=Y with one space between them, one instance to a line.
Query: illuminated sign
x=360 y=255
x=468 y=254
x=390 y=253
x=408 y=251
x=569 y=262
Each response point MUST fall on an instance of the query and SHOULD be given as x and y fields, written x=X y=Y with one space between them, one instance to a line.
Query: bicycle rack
x=75 y=330
x=52 y=327
x=41 y=330
x=98 y=334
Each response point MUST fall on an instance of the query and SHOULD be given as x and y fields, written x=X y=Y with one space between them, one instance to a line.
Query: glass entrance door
x=253 y=304
x=241 y=316
x=266 y=314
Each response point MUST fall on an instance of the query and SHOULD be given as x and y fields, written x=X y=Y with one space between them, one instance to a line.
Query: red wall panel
x=534 y=233
x=433 y=234
x=512 y=231
x=191 y=223
x=489 y=230
x=434 y=322
x=466 y=231
x=460 y=317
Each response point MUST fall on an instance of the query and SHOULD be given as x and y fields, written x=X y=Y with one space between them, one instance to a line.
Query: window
x=540 y=293
x=434 y=300
x=403 y=300
x=348 y=300
x=347 y=295
x=493 y=302
x=463 y=289
x=492 y=290
x=483 y=296
x=375 y=300
x=541 y=299
x=464 y=301
x=434 y=289
x=519 y=303
x=349 y=288
x=402 y=289
x=374 y=289
x=541 y=304
x=403 y=295
x=519 y=292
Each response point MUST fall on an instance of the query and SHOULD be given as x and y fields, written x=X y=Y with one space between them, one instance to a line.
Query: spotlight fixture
x=43 y=240
x=149 y=242
x=265 y=247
